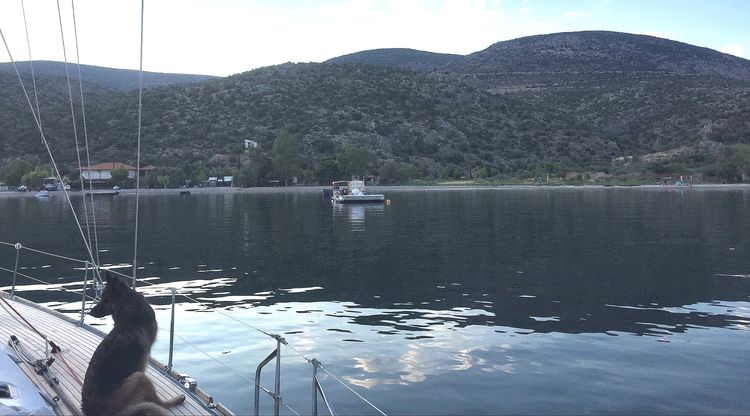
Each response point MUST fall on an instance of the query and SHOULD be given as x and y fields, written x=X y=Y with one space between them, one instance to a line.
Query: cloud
x=734 y=49
x=524 y=10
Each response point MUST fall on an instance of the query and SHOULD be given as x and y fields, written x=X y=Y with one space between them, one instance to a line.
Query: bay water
x=447 y=301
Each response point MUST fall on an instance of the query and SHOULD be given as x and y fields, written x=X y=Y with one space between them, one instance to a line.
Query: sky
x=224 y=37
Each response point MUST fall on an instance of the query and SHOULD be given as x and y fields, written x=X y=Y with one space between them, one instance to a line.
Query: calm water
x=484 y=301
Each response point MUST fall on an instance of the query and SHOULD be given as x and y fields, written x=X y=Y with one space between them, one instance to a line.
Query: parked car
x=116 y=188
x=23 y=188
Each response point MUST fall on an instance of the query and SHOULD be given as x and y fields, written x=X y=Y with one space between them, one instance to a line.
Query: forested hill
x=554 y=105
x=398 y=58
x=599 y=51
x=118 y=79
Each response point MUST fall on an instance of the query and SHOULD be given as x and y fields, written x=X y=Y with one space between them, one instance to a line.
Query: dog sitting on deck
x=116 y=382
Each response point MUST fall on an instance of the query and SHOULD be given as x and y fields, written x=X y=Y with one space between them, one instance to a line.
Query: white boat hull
x=360 y=199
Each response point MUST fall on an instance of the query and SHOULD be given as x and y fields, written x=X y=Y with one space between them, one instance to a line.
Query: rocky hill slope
x=398 y=58
x=577 y=100
x=118 y=79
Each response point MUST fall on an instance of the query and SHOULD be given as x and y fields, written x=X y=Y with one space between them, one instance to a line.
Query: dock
x=27 y=320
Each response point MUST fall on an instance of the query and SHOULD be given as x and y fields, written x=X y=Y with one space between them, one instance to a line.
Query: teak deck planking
x=78 y=345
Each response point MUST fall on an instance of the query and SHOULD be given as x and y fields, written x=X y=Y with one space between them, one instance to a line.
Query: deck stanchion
x=315 y=363
x=277 y=388
x=318 y=389
x=256 y=404
x=171 y=332
x=83 y=293
x=18 y=247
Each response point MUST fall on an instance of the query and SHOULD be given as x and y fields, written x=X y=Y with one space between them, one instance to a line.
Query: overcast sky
x=223 y=37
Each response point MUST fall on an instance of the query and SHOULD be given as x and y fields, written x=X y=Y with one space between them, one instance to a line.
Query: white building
x=103 y=171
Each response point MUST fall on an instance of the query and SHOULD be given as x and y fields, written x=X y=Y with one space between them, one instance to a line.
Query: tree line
x=285 y=164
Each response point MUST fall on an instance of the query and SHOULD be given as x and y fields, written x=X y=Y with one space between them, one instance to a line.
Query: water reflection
x=356 y=215
x=549 y=294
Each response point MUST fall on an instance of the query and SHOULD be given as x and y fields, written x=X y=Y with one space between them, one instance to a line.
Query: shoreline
x=432 y=187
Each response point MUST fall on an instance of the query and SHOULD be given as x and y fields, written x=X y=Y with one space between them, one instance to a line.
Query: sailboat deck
x=78 y=345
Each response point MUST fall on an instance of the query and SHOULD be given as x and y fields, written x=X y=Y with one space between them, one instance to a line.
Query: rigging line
x=73 y=118
x=46 y=145
x=138 y=161
x=352 y=390
x=58 y=353
x=29 y=324
x=85 y=136
x=5 y=308
x=31 y=62
x=86 y=141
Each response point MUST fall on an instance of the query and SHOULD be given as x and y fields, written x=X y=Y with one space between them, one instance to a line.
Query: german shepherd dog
x=116 y=382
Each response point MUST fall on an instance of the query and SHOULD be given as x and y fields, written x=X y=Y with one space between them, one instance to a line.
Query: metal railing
x=189 y=383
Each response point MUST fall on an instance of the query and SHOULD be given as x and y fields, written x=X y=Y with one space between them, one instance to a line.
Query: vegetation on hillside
x=531 y=119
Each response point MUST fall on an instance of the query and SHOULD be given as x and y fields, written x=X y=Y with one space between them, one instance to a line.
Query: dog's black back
x=124 y=351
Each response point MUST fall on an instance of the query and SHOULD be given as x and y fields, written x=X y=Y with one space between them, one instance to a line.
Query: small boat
x=51 y=184
x=353 y=192
x=42 y=194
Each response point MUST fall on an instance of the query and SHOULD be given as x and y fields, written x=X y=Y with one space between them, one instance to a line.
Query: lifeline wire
x=43 y=252
x=244 y=377
x=45 y=283
x=352 y=390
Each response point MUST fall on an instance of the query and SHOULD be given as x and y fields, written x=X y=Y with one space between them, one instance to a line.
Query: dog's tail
x=143 y=409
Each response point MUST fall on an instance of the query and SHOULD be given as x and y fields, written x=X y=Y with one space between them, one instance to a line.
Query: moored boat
x=353 y=192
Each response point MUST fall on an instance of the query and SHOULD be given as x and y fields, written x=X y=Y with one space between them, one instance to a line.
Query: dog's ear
x=115 y=283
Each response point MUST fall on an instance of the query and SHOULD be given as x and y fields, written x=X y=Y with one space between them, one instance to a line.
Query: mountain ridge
x=404 y=58
x=569 y=53
x=439 y=122
x=114 y=78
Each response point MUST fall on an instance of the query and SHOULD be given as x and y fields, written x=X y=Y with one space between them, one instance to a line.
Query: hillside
x=441 y=123
x=398 y=58
x=594 y=57
x=118 y=79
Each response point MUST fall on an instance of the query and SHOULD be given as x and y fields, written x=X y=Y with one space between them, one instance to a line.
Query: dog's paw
x=174 y=401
